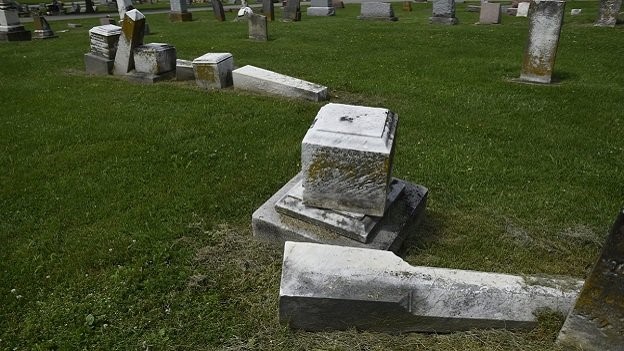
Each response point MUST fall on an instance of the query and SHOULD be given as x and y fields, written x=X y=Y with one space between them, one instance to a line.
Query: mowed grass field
x=125 y=209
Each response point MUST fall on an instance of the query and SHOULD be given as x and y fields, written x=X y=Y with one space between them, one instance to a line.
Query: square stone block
x=346 y=158
x=154 y=58
x=214 y=70
x=95 y=64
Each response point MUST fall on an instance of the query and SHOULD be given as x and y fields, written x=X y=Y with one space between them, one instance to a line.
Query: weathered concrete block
x=388 y=233
x=184 y=70
x=214 y=70
x=346 y=158
x=545 y=20
x=377 y=11
x=103 y=40
x=258 y=29
x=264 y=81
x=332 y=287
x=132 y=31
x=596 y=323
x=608 y=12
x=321 y=11
x=96 y=64
x=523 y=9
x=490 y=13
x=443 y=12
x=155 y=58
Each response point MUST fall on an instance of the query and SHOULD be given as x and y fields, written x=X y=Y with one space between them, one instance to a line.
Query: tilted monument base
x=180 y=16
x=386 y=233
x=150 y=78
x=443 y=20
x=98 y=65
x=321 y=11
x=327 y=287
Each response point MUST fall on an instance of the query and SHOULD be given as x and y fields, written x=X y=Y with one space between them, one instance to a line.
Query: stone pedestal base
x=443 y=20
x=44 y=34
x=180 y=16
x=15 y=33
x=98 y=65
x=321 y=11
x=385 y=233
x=150 y=78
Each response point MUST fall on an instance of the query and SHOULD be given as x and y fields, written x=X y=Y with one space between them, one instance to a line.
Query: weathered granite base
x=269 y=82
x=98 y=65
x=327 y=287
x=443 y=20
x=149 y=78
x=16 y=35
x=398 y=223
x=180 y=16
x=321 y=11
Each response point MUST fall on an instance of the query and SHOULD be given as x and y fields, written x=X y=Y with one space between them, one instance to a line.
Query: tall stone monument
x=42 y=28
x=596 y=323
x=292 y=11
x=103 y=43
x=607 y=16
x=10 y=27
x=268 y=10
x=379 y=11
x=443 y=12
x=217 y=8
x=132 y=31
x=321 y=8
x=345 y=193
x=545 y=20
x=179 y=11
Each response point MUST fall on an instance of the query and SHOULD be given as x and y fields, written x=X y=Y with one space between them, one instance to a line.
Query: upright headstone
x=268 y=9
x=153 y=62
x=321 y=8
x=132 y=31
x=122 y=7
x=545 y=20
x=258 y=27
x=292 y=11
x=217 y=8
x=89 y=6
x=103 y=42
x=596 y=323
x=10 y=27
x=607 y=16
x=338 y=4
x=490 y=13
x=523 y=9
x=377 y=11
x=179 y=11
x=443 y=12
x=42 y=28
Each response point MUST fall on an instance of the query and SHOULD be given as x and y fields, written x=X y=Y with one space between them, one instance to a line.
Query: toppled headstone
x=179 y=11
x=545 y=20
x=153 y=62
x=327 y=287
x=132 y=31
x=184 y=70
x=264 y=81
x=490 y=13
x=10 y=27
x=575 y=12
x=608 y=11
x=268 y=9
x=443 y=12
x=377 y=11
x=103 y=43
x=321 y=8
x=258 y=29
x=523 y=9
x=217 y=8
x=292 y=11
x=214 y=70
x=596 y=323
x=42 y=28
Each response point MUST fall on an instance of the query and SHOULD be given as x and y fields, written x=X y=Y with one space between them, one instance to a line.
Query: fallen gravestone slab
x=265 y=81
x=326 y=287
x=596 y=323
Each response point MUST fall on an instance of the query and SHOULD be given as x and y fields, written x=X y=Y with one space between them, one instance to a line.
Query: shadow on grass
x=427 y=233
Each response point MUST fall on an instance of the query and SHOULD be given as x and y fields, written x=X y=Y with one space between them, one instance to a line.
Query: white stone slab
x=321 y=11
x=122 y=5
x=214 y=70
x=155 y=58
x=265 y=81
x=327 y=287
x=346 y=158
x=523 y=9
x=106 y=30
x=377 y=11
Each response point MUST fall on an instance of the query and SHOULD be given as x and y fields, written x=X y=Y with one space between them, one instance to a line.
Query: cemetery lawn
x=125 y=209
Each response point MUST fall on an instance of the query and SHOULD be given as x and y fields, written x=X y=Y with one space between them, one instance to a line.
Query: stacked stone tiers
x=103 y=40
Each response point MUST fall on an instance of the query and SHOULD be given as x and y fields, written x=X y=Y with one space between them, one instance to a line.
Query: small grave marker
x=258 y=27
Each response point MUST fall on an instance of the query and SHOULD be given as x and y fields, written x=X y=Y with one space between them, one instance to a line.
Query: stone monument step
x=265 y=81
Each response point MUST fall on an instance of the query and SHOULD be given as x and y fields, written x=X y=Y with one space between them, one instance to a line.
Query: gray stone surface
x=346 y=158
x=42 y=28
x=155 y=58
x=545 y=20
x=96 y=64
x=178 y=6
x=596 y=323
x=321 y=3
x=122 y=7
x=490 y=13
x=265 y=81
x=389 y=233
x=214 y=70
x=332 y=287
x=184 y=70
x=132 y=31
x=321 y=11
x=10 y=27
x=523 y=9
x=443 y=12
x=292 y=11
x=377 y=11
x=103 y=40
x=258 y=29
x=268 y=10
x=608 y=12
x=217 y=8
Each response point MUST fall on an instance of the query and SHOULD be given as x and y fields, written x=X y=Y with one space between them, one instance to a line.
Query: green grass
x=125 y=209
